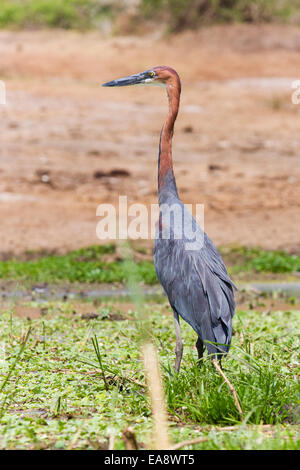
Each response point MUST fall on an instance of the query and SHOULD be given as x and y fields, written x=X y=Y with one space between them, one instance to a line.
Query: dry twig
x=130 y=439
x=231 y=387
x=189 y=443
x=111 y=441
x=265 y=428
x=160 y=430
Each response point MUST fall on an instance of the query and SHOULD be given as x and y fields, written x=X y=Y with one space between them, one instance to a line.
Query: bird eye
x=151 y=74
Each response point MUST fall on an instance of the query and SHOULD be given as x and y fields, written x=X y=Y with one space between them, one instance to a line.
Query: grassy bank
x=53 y=396
x=104 y=264
x=67 y=14
x=188 y=14
x=172 y=15
x=93 y=264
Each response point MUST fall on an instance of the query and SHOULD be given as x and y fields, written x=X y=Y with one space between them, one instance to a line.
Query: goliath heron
x=195 y=280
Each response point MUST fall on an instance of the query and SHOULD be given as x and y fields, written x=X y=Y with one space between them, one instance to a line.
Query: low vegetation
x=67 y=14
x=72 y=374
x=174 y=15
x=180 y=15
x=53 y=394
x=103 y=264
x=258 y=260
x=84 y=265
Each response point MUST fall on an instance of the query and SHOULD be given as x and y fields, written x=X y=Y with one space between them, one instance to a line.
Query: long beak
x=125 y=81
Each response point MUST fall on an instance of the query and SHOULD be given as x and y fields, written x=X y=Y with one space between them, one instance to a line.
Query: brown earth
x=62 y=136
x=122 y=310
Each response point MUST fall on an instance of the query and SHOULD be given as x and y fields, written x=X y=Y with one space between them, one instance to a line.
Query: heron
x=193 y=275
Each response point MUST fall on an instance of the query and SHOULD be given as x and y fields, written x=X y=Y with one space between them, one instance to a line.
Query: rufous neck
x=165 y=162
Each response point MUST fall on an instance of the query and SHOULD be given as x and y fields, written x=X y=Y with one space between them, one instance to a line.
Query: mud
x=68 y=145
x=89 y=301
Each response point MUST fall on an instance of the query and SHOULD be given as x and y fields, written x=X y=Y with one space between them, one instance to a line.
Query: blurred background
x=68 y=145
x=75 y=310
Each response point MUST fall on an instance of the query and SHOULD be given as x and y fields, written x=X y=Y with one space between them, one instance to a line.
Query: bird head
x=161 y=75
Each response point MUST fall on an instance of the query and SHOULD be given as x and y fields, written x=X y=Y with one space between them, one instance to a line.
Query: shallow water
x=48 y=292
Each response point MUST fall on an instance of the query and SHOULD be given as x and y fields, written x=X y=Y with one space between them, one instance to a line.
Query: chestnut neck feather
x=166 y=178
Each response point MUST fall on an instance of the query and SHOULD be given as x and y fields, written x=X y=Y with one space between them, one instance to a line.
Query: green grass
x=188 y=14
x=75 y=14
x=55 y=396
x=259 y=375
x=257 y=260
x=68 y=382
x=177 y=15
x=84 y=265
x=90 y=265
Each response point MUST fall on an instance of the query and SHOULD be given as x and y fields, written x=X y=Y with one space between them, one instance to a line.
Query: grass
x=258 y=260
x=67 y=14
x=258 y=377
x=102 y=264
x=55 y=396
x=176 y=15
x=71 y=381
x=84 y=265
x=188 y=14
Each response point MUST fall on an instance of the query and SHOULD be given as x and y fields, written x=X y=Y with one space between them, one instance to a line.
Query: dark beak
x=125 y=81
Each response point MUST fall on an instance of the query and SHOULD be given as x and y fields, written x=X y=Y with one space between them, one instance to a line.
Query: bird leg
x=200 y=349
x=179 y=344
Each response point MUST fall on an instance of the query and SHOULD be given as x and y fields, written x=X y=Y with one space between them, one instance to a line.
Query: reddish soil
x=236 y=144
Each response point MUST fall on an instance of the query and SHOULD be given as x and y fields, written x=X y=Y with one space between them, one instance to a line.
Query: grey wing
x=199 y=289
x=214 y=261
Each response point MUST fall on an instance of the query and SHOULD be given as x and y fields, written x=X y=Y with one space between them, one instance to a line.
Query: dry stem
x=231 y=387
x=160 y=428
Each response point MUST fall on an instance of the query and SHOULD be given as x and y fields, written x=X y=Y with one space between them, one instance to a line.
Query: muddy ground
x=67 y=145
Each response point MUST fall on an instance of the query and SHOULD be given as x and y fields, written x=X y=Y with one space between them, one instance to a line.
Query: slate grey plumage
x=195 y=279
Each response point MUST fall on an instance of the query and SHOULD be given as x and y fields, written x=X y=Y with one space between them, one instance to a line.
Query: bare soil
x=68 y=145
x=122 y=310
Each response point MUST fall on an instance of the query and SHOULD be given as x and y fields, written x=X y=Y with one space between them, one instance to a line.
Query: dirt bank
x=236 y=146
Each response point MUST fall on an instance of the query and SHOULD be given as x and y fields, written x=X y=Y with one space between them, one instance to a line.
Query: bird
x=187 y=263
